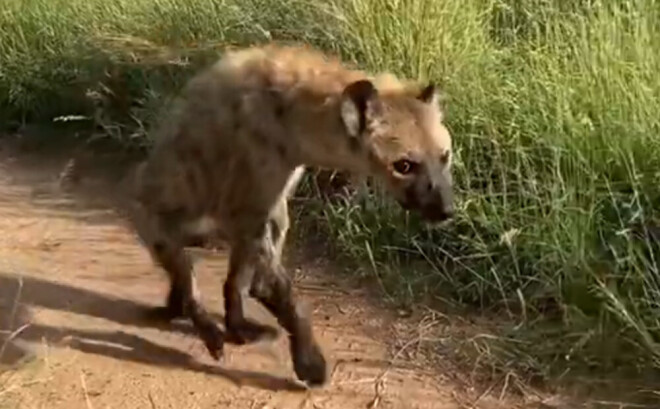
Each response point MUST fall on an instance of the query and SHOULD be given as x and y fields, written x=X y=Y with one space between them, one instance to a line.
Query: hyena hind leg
x=183 y=293
x=243 y=260
x=166 y=246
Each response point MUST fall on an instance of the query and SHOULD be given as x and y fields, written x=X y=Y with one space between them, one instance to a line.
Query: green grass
x=555 y=111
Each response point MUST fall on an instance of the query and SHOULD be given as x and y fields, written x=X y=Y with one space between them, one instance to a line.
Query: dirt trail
x=74 y=284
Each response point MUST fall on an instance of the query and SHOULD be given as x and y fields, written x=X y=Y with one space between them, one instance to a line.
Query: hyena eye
x=404 y=166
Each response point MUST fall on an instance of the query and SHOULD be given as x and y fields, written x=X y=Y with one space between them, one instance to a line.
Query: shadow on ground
x=18 y=294
x=93 y=199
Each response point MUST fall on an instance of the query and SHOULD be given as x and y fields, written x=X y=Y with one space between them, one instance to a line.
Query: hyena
x=230 y=152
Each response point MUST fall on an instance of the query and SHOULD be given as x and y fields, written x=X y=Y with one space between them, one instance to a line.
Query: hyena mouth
x=429 y=213
x=407 y=205
x=435 y=214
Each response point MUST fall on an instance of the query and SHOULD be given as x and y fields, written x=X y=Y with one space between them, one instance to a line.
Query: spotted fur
x=231 y=151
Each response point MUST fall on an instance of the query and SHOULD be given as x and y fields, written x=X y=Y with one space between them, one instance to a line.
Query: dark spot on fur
x=171 y=219
x=192 y=178
x=267 y=82
x=201 y=170
x=281 y=150
x=278 y=103
x=196 y=240
x=275 y=231
x=280 y=111
x=159 y=247
x=261 y=138
x=235 y=108
x=259 y=230
x=354 y=145
x=196 y=154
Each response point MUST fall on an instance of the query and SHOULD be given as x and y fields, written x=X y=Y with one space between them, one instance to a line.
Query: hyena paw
x=164 y=314
x=174 y=309
x=309 y=363
x=213 y=338
x=248 y=332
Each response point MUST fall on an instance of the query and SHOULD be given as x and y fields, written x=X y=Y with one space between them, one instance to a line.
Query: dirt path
x=74 y=284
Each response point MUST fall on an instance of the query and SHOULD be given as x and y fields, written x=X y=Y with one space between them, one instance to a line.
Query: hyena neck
x=323 y=141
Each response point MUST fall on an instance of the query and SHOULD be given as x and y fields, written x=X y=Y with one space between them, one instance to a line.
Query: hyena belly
x=203 y=232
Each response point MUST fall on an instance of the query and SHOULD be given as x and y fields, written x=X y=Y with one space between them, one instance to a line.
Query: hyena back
x=231 y=151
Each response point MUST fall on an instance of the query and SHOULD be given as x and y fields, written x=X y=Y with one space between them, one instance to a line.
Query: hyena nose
x=448 y=212
x=444 y=204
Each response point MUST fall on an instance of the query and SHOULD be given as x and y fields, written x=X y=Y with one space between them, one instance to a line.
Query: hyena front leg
x=272 y=286
x=161 y=235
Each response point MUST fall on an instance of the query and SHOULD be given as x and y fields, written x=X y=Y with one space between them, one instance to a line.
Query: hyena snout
x=440 y=209
x=434 y=201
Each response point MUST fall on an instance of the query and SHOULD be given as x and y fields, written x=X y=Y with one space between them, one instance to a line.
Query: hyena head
x=406 y=144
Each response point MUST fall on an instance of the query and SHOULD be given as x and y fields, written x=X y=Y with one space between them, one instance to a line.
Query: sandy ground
x=74 y=286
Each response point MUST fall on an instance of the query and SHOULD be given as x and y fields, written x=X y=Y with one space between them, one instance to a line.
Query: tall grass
x=117 y=59
x=555 y=111
x=555 y=114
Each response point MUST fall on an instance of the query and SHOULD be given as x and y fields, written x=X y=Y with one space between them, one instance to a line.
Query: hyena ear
x=359 y=103
x=429 y=94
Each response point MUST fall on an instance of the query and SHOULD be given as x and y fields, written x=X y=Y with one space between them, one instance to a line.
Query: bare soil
x=75 y=284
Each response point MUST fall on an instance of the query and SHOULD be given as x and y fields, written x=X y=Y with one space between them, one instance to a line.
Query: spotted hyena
x=230 y=152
